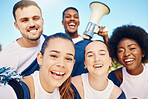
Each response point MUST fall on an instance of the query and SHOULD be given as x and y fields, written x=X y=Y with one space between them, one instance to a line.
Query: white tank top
x=40 y=93
x=135 y=86
x=90 y=93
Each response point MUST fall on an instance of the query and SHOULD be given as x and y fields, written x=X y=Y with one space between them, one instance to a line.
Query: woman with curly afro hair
x=129 y=46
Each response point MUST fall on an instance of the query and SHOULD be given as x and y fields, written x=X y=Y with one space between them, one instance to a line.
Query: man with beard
x=21 y=54
x=70 y=21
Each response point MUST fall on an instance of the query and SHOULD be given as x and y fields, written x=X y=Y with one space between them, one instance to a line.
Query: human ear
x=74 y=61
x=85 y=65
x=143 y=54
x=39 y=58
x=110 y=62
x=62 y=22
x=43 y=20
x=15 y=24
x=79 y=23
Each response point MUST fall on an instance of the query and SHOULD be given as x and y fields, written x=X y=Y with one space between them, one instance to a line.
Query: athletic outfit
x=134 y=86
x=90 y=93
x=40 y=93
x=19 y=58
x=80 y=45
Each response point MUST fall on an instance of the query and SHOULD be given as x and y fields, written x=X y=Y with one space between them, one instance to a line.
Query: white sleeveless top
x=90 y=93
x=40 y=93
x=135 y=86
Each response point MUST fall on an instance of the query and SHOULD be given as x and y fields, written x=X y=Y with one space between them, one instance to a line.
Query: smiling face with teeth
x=71 y=22
x=97 y=59
x=130 y=54
x=56 y=63
x=29 y=22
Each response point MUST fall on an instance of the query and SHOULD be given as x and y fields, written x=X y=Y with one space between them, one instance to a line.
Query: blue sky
x=121 y=12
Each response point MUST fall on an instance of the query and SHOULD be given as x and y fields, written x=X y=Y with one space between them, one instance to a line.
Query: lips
x=129 y=61
x=57 y=75
x=72 y=25
x=97 y=66
x=32 y=30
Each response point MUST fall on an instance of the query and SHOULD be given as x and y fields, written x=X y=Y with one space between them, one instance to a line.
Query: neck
x=98 y=83
x=27 y=43
x=136 y=71
x=72 y=35
x=48 y=88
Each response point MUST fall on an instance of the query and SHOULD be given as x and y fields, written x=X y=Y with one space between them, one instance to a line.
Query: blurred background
x=121 y=12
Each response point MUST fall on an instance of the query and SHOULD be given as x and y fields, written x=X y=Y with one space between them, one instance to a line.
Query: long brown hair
x=66 y=91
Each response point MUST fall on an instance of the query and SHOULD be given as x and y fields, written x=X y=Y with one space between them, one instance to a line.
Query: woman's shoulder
x=119 y=74
x=28 y=80
x=117 y=93
x=76 y=80
x=116 y=76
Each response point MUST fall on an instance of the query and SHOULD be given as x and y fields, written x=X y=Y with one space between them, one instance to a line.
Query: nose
x=127 y=53
x=31 y=23
x=72 y=18
x=97 y=58
x=61 y=62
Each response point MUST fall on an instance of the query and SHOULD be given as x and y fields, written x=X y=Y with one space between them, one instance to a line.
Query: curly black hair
x=133 y=32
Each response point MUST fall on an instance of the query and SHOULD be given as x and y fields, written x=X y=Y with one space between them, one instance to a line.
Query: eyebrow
x=70 y=14
x=59 y=52
x=28 y=18
x=127 y=46
x=54 y=51
x=131 y=45
x=102 y=50
x=88 y=52
x=23 y=18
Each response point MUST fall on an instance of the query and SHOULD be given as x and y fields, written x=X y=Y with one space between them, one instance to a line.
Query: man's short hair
x=68 y=9
x=24 y=3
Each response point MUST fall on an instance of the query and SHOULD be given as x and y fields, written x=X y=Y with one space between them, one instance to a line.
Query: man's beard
x=35 y=39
